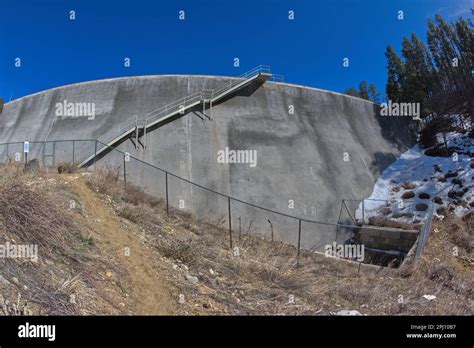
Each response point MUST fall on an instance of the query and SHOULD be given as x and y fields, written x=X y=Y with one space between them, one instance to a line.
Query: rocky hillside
x=440 y=171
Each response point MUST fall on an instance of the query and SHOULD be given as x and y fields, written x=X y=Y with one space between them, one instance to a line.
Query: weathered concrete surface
x=388 y=239
x=300 y=156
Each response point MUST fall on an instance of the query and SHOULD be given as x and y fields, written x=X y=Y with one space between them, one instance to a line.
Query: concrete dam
x=312 y=147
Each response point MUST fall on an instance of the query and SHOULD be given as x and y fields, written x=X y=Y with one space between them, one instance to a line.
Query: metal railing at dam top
x=206 y=203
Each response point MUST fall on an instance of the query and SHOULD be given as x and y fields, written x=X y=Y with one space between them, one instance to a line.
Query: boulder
x=348 y=312
x=191 y=279
x=421 y=206
x=424 y=195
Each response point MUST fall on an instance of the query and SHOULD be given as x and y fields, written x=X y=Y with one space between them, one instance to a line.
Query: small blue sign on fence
x=26 y=147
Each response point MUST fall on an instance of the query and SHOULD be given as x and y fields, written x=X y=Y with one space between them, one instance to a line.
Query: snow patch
x=425 y=175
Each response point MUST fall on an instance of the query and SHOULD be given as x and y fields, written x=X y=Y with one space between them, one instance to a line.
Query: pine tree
x=440 y=75
x=351 y=91
x=452 y=50
x=363 y=91
x=418 y=73
x=395 y=72
x=374 y=95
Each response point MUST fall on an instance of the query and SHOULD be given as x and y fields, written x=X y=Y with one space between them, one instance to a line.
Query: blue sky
x=308 y=50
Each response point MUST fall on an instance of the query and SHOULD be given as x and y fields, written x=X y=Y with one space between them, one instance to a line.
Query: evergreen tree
x=371 y=93
x=374 y=95
x=363 y=90
x=418 y=73
x=351 y=91
x=452 y=50
x=395 y=72
x=438 y=76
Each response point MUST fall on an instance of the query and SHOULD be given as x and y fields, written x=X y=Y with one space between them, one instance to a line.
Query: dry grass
x=462 y=233
x=30 y=218
x=108 y=182
x=32 y=212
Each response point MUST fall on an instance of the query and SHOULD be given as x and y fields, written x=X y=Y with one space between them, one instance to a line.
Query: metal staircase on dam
x=136 y=130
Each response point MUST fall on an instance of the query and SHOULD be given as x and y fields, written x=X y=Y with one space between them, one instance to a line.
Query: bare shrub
x=356 y=293
x=33 y=219
x=180 y=251
x=443 y=275
x=68 y=168
x=131 y=212
x=107 y=181
x=135 y=195
x=29 y=216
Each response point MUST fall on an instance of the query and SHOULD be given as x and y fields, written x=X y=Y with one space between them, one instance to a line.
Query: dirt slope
x=106 y=269
x=145 y=285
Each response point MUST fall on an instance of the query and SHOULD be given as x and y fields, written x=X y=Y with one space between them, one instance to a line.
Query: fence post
x=124 y=172
x=363 y=211
x=299 y=241
x=425 y=231
x=167 y=201
x=230 y=224
x=73 y=150
x=271 y=228
x=95 y=155
x=54 y=153
x=240 y=227
x=44 y=154
x=144 y=132
x=25 y=154
x=340 y=212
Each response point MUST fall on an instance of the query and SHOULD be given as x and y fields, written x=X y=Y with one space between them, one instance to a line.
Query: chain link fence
x=208 y=204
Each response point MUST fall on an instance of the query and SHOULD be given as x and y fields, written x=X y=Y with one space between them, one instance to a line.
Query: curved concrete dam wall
x=332 y=147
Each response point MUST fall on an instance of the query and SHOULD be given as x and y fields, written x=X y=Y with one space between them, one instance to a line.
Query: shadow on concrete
x=132 y=136
x=381 y=161
x=394 y=129
x=246 y=91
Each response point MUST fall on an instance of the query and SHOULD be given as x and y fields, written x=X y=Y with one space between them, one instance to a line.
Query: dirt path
x=147 y=291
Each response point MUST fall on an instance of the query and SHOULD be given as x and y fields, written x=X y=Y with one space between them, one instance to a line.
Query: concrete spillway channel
x=313 y=147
